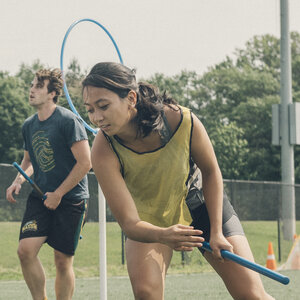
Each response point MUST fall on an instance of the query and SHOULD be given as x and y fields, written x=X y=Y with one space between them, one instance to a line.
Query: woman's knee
x=148 y=285
x=252 y=294
x=147 y=265
x=147 y=290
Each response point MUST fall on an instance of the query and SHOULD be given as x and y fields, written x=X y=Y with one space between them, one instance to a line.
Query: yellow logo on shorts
x=30 y=226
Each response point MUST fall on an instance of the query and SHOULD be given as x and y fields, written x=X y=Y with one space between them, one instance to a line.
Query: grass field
x=178 y=286
x=193 y=278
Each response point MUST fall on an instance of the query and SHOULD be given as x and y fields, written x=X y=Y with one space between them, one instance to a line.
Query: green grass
x=193 y=280
x=86 y=262
x=181 y=286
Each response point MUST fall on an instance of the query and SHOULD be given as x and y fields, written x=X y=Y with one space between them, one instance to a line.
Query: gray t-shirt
x=49 y=145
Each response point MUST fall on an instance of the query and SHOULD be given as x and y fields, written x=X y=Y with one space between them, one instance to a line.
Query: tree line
x=233 y=99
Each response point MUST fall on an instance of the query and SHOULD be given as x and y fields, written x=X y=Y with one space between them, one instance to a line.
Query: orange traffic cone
x=271 y=262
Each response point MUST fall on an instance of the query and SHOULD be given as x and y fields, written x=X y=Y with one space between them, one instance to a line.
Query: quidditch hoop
x=62 y=64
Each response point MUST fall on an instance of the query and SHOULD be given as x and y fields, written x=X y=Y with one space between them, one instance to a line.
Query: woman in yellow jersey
x=156 y=165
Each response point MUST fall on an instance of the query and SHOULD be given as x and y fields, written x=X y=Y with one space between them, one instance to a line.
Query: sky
x=153 y=36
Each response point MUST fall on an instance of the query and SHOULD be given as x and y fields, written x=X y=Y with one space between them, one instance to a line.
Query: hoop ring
x=94 y=131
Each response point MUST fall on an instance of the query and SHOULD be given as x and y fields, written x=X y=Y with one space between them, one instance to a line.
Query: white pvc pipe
x=102 y=244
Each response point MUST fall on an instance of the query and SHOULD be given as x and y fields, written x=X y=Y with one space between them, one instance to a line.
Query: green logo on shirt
x=43 y=151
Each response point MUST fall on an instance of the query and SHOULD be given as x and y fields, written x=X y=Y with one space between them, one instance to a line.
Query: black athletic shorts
x=61 y=226
x=231 y=222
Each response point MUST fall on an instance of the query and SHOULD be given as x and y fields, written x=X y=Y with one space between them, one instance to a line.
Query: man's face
x=38 y=94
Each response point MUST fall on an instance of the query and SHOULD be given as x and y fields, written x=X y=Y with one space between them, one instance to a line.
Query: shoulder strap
x=165 y=132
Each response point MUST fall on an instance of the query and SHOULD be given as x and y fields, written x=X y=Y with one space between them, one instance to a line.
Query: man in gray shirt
x=57 y=152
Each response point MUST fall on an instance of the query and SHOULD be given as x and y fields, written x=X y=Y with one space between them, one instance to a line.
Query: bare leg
x=32 y=268
x=147 y=266
x=65 y=278
x=241 y=282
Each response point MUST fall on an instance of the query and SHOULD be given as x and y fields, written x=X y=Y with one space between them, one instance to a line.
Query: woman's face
x=107 y=110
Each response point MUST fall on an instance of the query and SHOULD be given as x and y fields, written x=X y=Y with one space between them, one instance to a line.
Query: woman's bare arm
x=204 y=156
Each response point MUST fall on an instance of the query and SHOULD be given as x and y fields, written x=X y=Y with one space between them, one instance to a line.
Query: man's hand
x=52 y=200
x=13 y=189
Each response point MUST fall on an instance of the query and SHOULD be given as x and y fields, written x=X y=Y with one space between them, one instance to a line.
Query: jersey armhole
x=115 y=151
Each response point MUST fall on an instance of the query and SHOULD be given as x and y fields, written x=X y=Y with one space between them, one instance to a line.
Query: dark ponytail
x=150 y=107
x=120 y=80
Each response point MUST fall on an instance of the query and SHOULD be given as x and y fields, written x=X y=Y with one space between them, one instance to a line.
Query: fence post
x=182 y=258
x=279 y=241
x=123 y=243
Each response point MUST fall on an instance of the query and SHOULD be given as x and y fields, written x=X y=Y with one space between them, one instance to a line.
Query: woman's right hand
x=181 y=237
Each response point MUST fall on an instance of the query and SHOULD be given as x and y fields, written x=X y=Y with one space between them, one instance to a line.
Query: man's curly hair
x=55 y=81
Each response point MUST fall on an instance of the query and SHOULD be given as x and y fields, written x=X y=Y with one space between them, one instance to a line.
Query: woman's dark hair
x=120 y=80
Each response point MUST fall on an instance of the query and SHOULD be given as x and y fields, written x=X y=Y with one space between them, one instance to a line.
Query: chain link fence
x=14 y=211
x=259 y=200
x=252 y=200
